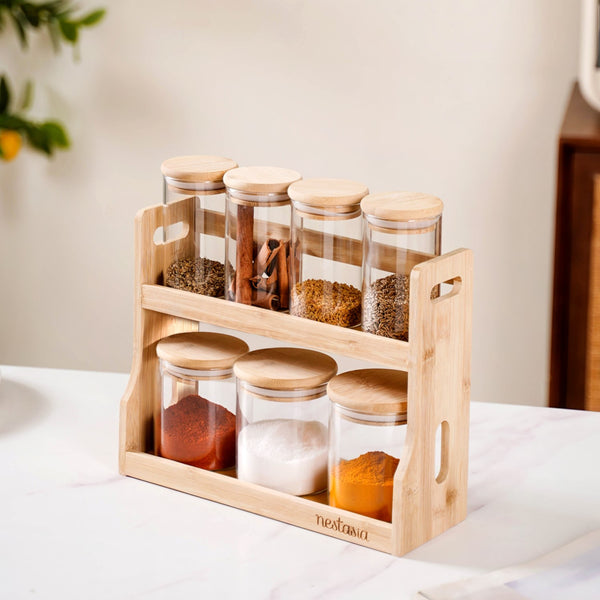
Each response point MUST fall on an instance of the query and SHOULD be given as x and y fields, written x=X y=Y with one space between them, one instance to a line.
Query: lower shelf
x=307 y=512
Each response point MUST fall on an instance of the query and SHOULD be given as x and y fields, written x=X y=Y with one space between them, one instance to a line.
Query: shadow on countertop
x=20 y=406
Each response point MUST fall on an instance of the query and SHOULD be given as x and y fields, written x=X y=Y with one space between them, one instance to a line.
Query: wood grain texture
x=426 y=504
x=578 y=164
x=592 y=372
x=328 y=193
x=438 y=365
x=277 y=325
x=257 y=499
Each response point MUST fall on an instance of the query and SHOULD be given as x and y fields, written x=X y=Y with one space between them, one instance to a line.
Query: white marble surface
x=72 y=527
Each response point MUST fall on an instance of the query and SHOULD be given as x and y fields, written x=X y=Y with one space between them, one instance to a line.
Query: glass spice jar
x=366 y=435
x=326 y=250
x=401 y=229
x=197 y=264
x=282 y=419
x=197 y=416
x=257 y=236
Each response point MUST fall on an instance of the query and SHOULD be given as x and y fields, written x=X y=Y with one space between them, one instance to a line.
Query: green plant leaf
x=56 y=134
x=31 y=13
x=68 y=30
x=38 y=139
x=20 y=30
x=27 y=96
x=4 y=95
x=92 y=18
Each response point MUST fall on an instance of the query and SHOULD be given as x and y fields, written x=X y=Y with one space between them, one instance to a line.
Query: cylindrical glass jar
x=326 y=250
x=366 y=435
x=257 y=236
x=401 y=229
x=197 y=262
x=282 y=419
x=197 y=416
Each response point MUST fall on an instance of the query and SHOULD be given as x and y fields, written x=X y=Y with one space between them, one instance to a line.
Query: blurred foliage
x=59 y=19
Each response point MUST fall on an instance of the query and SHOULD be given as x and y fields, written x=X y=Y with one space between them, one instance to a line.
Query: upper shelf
x=276 y=325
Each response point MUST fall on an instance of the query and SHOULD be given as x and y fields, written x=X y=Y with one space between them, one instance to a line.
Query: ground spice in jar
x=200 y=275
x=365 y=485
x=385 y=309
x=328 y=302
x=200 y=433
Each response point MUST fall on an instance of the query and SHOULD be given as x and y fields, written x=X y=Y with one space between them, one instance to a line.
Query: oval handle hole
x=442 y=447
x=170 y=233
x=446 y=289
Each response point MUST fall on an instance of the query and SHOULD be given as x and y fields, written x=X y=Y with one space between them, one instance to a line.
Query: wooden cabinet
x=575 y=344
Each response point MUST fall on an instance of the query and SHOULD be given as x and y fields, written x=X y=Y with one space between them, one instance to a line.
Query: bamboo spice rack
x=427 y=500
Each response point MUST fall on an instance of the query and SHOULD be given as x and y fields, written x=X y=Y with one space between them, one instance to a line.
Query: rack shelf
x=426 y=501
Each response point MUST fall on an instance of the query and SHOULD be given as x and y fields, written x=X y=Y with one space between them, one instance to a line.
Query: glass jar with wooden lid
x=401 y=229
x=196 y=263
x=366 y=435
x=257 y=236
x=326 y=250
x=197 y=410
x=282 y=419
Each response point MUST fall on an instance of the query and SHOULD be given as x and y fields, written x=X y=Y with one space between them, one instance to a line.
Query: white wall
x=461 y=99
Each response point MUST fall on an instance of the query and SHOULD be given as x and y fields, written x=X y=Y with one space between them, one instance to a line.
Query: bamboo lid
x=328 y=193
x=197 y=169
x=370 y=391
x=402 y=206
x=285 y=368
x=201 y=350
x=261 y=180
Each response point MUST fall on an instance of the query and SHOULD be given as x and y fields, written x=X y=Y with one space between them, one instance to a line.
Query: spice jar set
x=279 y=428
x=324 y=249
x=265 y=431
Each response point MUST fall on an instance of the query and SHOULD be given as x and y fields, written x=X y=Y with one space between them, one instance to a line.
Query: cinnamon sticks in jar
x=257 y=246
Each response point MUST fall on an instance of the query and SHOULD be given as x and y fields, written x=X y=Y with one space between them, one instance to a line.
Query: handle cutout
x=442 y=451
x=170 y=233
x=446 y=289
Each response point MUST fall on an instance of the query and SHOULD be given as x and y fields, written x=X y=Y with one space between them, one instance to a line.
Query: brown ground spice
x=328 y=302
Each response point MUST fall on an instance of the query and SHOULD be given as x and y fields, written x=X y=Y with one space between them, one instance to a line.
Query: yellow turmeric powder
x=364 y=485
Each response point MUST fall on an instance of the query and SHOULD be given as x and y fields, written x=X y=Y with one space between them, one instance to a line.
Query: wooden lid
x=370 y=391
x=201 y=350
x=197 y=169
x=402 y=206
x=285 y=368
x=261 y=180
x=328 y=193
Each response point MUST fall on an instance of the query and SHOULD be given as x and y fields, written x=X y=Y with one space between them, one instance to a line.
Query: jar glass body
x=197 y=261
x=391 y=250
x=257 y=249
x=364 y=452
x=282 y=438
x=325 y=273
x=197 y=417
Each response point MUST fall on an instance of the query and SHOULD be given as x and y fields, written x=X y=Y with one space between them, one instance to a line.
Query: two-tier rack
x=429 y=495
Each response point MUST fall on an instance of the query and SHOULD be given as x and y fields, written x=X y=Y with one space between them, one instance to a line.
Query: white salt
x=284 y=454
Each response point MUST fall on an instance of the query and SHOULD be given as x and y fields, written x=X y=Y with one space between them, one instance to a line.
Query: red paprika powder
x=193 y=429
x=199 y=432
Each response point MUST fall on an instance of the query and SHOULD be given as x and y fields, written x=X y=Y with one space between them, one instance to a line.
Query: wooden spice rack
x=437 y=359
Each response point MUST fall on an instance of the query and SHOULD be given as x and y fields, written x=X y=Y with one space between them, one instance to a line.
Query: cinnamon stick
x=266 y=300
x=244 y=254
x=282 y=271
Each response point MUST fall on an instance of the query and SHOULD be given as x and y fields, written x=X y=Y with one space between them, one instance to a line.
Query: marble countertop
x=72 y=527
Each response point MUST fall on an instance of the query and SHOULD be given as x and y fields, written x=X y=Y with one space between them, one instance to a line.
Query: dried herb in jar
x=385 y=310
x=201 y=276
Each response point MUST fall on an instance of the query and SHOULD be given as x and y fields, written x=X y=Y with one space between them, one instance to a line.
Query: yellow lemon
x=10 y=144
